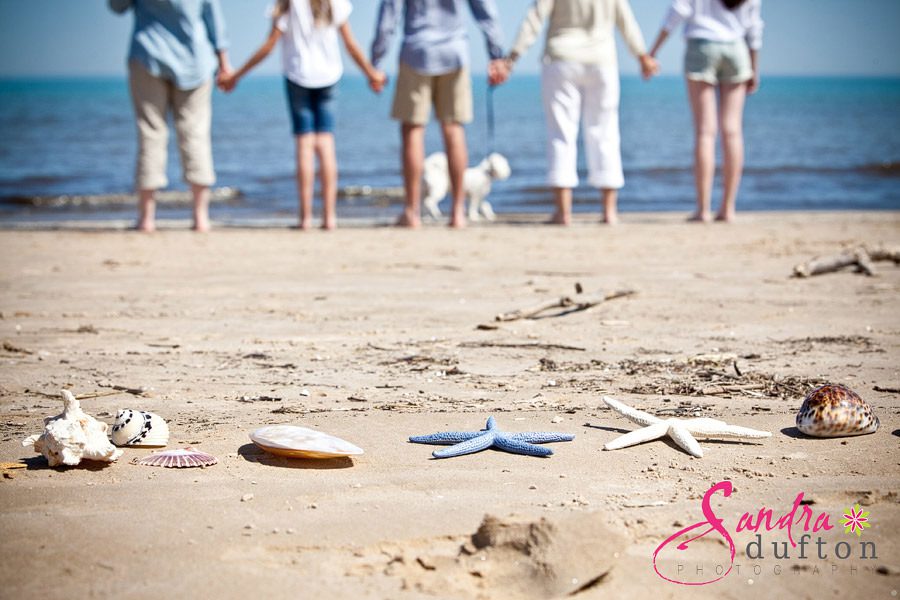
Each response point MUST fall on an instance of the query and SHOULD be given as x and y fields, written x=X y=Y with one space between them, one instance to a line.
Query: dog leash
x=490 y=120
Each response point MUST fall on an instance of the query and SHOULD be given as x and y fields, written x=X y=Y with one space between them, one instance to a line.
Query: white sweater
x=580 y=30
x=711 y=20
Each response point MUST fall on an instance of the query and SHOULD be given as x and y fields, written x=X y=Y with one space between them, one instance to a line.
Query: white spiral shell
x=139 y=428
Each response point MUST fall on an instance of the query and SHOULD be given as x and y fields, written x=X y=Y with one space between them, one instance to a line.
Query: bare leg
x=306 y=144
x=413 y=161
x=328 y=177
x=201 y=207
x=610 y=206
x=146 y=211
x=563 y=198
x=703 y=106
x=457 y=162
x=731 y=107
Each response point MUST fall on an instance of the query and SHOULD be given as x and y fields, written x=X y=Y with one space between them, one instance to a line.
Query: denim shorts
x=312 y=109
x=717 y=62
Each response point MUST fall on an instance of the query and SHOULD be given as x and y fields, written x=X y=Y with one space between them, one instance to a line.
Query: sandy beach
x=372 y=334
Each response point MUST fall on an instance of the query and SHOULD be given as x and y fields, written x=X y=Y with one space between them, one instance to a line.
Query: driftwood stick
x=881 y=253
x=536 y=345
x=858 y=258
x=566 y=302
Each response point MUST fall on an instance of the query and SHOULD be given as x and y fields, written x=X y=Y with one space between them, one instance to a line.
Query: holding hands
x=377 y=80
x=649 y=66
x=499 y=70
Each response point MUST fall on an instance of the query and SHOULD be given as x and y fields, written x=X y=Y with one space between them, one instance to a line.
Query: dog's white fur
x=476 y=182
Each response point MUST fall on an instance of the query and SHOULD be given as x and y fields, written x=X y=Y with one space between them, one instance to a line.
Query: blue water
x=812 y=143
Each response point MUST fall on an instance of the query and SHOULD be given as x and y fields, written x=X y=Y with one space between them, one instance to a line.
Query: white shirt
x=712 y=20
x=311 y=53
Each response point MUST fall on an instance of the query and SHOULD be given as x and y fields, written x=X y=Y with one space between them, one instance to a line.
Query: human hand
x=377 y=81
x=498 y=71
x=227 y=81
x=649 y=66
x=753 y=84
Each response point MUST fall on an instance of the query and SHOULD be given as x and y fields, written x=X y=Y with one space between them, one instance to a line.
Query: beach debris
x=299 y=442
x=139 y=428
x=13 y=349
x=73 y=436
x=181 y=458
x=835 y=410
x=861 y=258
x=566 y=305
x=133 y=390
x=682 y=431
x=526 y=345
x=468 y=442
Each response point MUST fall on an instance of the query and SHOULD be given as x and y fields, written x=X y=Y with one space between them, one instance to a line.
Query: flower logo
x=855 y=520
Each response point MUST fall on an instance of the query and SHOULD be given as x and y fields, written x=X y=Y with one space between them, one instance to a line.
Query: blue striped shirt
x=176 y=39
x=435 y=41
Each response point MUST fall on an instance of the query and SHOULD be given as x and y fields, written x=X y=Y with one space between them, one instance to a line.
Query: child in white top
x=311 y=60
x=723 y=42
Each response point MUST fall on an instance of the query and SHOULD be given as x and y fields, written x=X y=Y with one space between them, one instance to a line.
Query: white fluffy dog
x=476 y=182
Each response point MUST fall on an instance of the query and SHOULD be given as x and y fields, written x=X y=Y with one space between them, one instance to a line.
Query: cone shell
x=179 y=459
x=139 y=428
x=300 y=442
x=835 y=411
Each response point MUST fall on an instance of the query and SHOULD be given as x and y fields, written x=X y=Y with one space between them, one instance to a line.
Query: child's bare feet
x=409 y=219
x=725 y=217
x=201 y=226
x=329 y=224
x=611 y=217
x=304 y=224
x=700 y=217
x=559 y=218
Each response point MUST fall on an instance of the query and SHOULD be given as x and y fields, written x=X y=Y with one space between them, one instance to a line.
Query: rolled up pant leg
x=193 y=123
x=600 y=120
x=562 y=108
x=150 y=98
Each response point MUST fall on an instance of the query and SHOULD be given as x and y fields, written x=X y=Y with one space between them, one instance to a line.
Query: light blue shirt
x=434 y=33
x=176 y=39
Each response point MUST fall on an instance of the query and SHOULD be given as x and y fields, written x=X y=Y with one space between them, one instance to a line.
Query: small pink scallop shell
x=180 y=459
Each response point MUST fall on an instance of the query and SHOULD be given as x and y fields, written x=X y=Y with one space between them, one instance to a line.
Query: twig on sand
x=135 y=391
x=568 y=305
x=861 y=258
x=521 y=345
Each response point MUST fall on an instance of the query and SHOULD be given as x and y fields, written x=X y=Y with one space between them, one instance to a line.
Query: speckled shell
x=835 y=411
x=179 y=459
x=139 y=428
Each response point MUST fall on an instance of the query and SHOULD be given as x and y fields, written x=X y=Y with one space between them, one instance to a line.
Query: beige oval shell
x=300 y=442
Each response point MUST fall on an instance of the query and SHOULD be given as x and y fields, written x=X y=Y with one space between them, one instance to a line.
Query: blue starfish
x=467 y=442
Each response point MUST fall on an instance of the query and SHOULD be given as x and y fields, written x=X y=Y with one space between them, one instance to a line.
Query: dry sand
x=379 y=326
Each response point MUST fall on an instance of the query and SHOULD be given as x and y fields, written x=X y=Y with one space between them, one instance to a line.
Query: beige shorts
x=451 y=95
x=153 y=98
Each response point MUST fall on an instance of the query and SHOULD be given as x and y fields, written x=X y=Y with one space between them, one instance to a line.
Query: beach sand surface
x=371 y=334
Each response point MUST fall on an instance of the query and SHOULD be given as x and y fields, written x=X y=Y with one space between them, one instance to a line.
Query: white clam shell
x=300 y=442
x=73 y=436
x=181 y=458
x=139 y=428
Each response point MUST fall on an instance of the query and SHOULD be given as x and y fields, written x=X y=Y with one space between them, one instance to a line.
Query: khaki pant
x=152 y=98
x=451 y=95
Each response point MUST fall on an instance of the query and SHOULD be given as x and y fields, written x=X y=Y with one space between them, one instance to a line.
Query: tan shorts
x=451 y=95
x=153 y=98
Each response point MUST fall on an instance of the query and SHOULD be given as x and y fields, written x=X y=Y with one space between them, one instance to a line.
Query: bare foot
x=304 y=224
x=409 y=220
x=145 y=226
x=201 y=226
x=725 y=217
x=700 y=217
x=559 y=218
x=458 y=220
x=329 y=225
x=611 y=218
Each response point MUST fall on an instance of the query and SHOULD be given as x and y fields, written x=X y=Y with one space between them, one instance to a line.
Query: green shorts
x=718 y=62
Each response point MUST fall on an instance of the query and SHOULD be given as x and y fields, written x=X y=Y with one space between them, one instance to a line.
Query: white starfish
x=682 y=431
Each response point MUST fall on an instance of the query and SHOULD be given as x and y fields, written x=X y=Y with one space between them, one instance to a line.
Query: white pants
x=576 y=92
